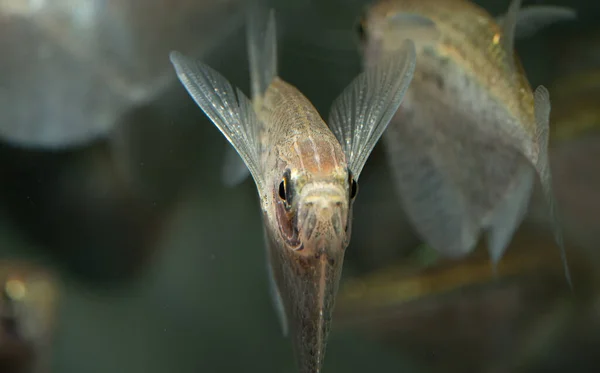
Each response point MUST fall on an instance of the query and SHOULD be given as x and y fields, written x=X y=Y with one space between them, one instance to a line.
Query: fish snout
x=324 y=205
x=322 y=219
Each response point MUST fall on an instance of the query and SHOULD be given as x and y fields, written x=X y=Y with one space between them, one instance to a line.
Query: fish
x=28 y=308
x=87 y=65
x=471 y=136
x=306 y=171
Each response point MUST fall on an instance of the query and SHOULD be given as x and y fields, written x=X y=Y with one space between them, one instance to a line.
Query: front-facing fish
x=470 y=135
x=306 y=172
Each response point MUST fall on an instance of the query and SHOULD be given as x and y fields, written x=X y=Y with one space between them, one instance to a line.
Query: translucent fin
x=277 y=299
x=542 y=118
x=362 y=112
x=235 y=170
x=230 y=110
x=509 y=26
x=262 y=48
x=416 y=27
x=510 y=213
x=436 y=207
x=534 y=18
x=450 y=171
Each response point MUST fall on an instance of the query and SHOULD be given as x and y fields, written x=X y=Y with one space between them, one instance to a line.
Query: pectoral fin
x=510 y=213
x=362 y=112
x=542 y=117
x=432 y=198
x=228 y=108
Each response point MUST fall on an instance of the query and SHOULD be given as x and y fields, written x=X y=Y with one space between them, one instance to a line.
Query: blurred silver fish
x=306 y=173
x=470 y=135
x=71 y=70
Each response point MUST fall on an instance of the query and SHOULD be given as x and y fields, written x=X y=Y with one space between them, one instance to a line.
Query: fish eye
x=353 y=189
x=282 y=190
x=353 y=185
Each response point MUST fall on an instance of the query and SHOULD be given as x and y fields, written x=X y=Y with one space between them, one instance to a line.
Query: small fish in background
x=471 y=134
x=305 y=172
x=27 y=314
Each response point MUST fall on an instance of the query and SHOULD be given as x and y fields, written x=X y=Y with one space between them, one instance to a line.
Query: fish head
x=308 y=229
x=311 y=213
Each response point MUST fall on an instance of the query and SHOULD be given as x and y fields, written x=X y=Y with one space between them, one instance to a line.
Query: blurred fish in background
x=110 y=177
x=76 y=120
x=28 y=307
x=459 y=315
x=84 y=63
x=467 y=142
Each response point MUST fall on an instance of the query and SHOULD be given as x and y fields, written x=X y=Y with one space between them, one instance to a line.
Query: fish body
x=305 y=171
x=306 y=210
x=471 y=134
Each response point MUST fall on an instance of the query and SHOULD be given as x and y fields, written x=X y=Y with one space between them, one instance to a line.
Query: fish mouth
x=308 y=282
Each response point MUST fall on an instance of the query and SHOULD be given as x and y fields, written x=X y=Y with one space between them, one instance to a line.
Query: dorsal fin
x=536 y=17
x=542 y=118
x=509 y=26
x=262 y=56
x=262 y=48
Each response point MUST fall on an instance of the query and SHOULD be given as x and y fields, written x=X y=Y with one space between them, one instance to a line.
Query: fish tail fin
x=542 y=118
x=510 y=213
x=262 y=48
